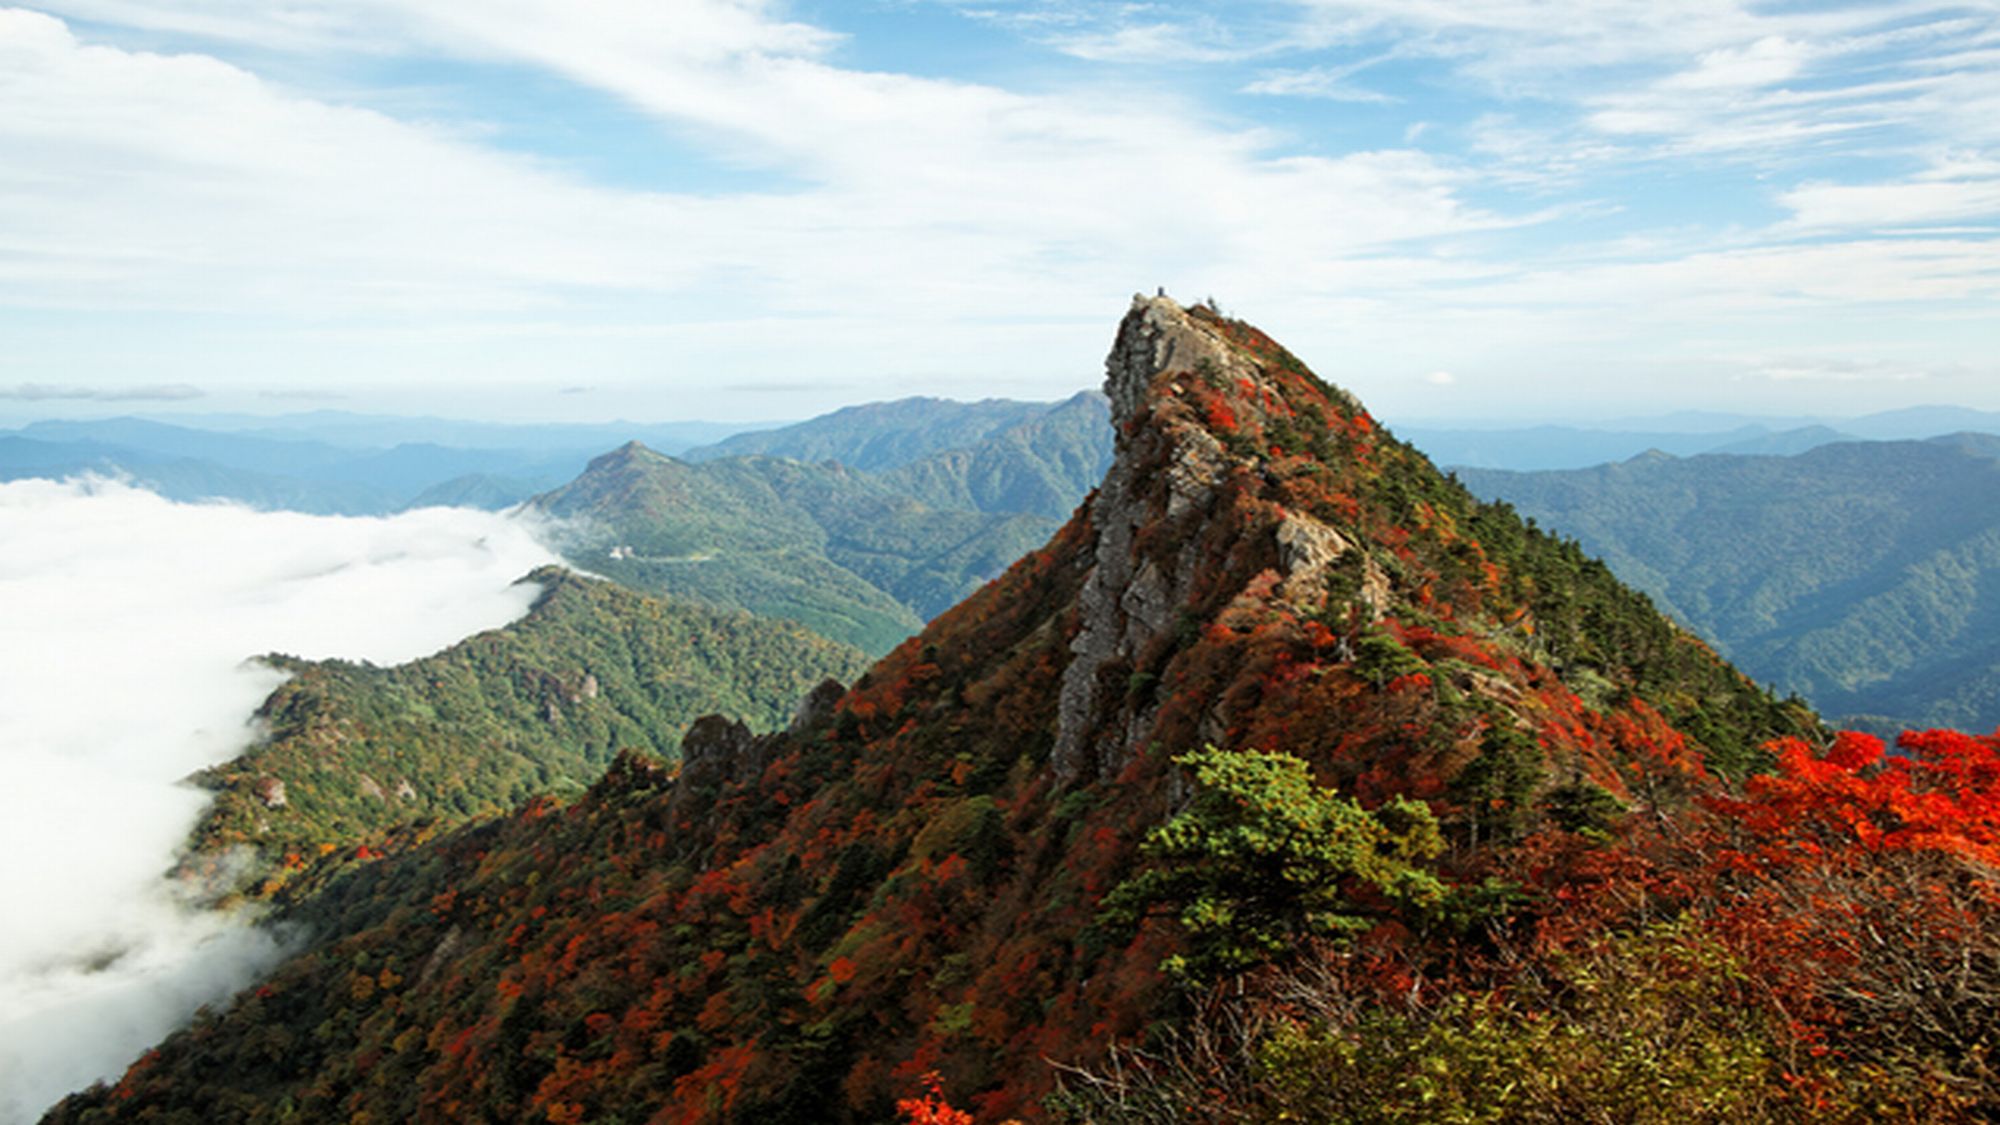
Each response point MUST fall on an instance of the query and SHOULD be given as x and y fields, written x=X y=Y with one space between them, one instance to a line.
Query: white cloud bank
x=124 y=623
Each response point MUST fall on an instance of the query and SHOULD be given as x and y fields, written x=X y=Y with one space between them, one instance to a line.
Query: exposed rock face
x=722 y=749
x=817 y=706
x=1156 y=336
x=271 y=792
x=714 y=739
x=441 y=956
x=1163 y=479
x=1307 y=550
x=717 y=752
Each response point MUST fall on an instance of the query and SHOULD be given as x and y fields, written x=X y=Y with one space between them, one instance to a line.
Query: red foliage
x=1943 y=796
x=931 y=1108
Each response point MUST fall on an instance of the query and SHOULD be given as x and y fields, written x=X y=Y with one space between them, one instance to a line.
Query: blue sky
x=752 y=209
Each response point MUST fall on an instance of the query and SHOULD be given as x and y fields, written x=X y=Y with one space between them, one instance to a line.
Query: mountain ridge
x=1849 y=574
x=350 y=751
x=832 y=547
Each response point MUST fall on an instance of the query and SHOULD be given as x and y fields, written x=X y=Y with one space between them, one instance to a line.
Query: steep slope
x=1864 y=576
x=538 y=706
x=795 y=928
x=828 y=546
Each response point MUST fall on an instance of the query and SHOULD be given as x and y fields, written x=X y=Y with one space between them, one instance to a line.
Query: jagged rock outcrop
x=817 y=706
x=1129 y=602
x=270 y=791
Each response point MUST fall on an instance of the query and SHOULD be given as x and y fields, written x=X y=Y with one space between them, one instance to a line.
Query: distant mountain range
x=1552 y=446
x=350 y=429
x=836 y=549
x=295 y=473
x=330 y=462
x=995 y=455
x=1864 y=576
x=990 y=456
x=864 y=523
x=861 y=525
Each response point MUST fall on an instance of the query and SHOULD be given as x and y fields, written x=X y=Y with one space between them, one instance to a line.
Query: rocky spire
x=1156 y=336
x=1164 y=474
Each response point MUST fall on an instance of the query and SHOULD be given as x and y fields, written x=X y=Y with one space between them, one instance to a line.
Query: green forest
x=537 y=707
x=832 y=548
x=1858 y=575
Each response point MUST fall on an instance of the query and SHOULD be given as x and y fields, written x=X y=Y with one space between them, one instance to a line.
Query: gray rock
x=817 y=707
x=1128 y=602
x=714 y=737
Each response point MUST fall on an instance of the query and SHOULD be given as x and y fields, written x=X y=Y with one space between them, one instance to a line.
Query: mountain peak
x=1207 y=411
x=632 y=452
x=1157 y=336
x=1166 y=350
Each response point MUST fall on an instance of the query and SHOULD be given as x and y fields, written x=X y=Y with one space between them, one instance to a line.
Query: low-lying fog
x=124 y=624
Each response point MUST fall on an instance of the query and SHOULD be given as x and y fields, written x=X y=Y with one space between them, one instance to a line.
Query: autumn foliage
x=931 y=1108
x=1822 y=945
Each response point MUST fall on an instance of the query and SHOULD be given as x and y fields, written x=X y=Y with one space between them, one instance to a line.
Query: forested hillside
x=1043 y=464
x=831 y=547
x=1864 y=576
x=536 y=707
x=1287 y=782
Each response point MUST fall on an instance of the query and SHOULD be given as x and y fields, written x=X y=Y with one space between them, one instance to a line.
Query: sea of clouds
x=125 y=623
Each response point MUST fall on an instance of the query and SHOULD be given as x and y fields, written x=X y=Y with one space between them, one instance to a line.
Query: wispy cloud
x=979 y=192
x=1839 y=371
x=1329 y=82
x=1720 y=76
x=1203 y=41
x=56 y=392
x=1952 y=190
